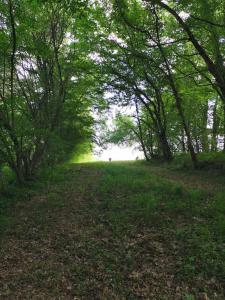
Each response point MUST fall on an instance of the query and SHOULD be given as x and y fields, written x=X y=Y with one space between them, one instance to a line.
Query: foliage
x=60 y=61
x=48 y=84
x=156 y=60
x=63 y=64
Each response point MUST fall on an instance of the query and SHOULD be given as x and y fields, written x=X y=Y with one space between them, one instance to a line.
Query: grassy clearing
x=195 y=216
x=120 y=230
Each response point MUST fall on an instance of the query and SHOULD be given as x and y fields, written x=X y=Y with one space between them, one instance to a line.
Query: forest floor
x=120 y=230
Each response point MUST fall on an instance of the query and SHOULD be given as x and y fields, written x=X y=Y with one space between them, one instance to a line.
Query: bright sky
x=116 y=152
x=119 y=153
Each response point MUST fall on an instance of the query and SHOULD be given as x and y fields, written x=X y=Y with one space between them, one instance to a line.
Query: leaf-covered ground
x=117 y=231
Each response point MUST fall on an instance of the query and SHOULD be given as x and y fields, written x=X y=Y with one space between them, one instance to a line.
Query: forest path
x=92 y=235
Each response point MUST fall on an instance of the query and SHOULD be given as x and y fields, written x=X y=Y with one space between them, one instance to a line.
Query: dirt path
x=63 y=246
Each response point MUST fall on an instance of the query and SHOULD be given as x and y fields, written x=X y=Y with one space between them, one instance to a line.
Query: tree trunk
x=204 y=136
x=214 y=141
x=140 y=131
x=176 y=94
x=224 y=127
x=183 y=142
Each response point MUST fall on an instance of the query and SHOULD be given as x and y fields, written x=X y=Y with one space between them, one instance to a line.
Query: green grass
x=143 y=198
x=11 y=192
x=121 y=203
x=211 y=161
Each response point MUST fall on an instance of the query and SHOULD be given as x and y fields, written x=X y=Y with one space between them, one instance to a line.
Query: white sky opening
x=119 y=153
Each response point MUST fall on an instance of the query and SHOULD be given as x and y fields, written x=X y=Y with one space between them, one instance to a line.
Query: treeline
x=166 y=59
x=47 y=82
x=163 y=60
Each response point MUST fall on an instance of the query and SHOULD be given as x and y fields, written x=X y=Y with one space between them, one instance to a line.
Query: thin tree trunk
x=140 y=131
x=12 y=59
x=178 y=102
x=183 y=142
x=214 y=129
x=224 y=127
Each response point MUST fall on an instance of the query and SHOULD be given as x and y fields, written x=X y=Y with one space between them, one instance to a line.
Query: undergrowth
x=195 y=217
x=131 y=195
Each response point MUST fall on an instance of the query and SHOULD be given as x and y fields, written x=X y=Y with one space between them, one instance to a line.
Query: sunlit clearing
x=119 y=153
x=83 y=158
x=82 y=153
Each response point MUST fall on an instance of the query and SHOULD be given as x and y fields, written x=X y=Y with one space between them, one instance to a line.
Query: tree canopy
x=59 y=60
